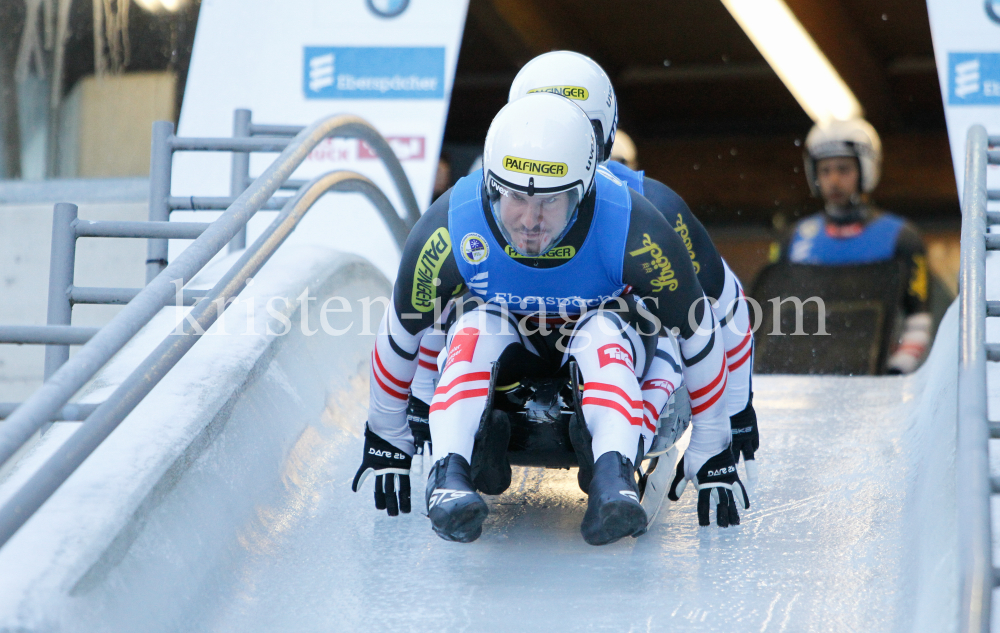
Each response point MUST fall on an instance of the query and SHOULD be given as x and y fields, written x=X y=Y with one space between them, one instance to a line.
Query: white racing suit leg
x=610 y=356
x=707 y=377
x=474 y=343
x=425 y=380
x=607 y=351
x=733 y=315
x=431 y=344
x=391 y=372
x=660 y=381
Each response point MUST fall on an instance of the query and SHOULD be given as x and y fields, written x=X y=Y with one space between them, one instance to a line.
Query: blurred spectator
x=843 y=162
x=442 y=179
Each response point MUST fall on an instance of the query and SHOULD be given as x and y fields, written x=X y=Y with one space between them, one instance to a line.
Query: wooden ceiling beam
x=532 y=25
x=642 y=75
x=499 y=33
x=830 y=26
x=539 y=30
x=733 y=179
x=693 y=73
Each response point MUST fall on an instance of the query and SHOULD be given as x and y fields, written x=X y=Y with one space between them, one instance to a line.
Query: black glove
x=746 y=439
x=392 y=474
x=716 y=479
x=418 y=413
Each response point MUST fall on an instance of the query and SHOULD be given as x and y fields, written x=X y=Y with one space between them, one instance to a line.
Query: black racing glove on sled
x=392 y=474
x=418 y=415
x=716 y=479
x=746 y=439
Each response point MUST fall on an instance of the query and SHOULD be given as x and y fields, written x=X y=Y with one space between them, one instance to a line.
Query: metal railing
x=974 y=484
x=247 y=137
x=244 y=127
x=67 y=228
x=68 y=376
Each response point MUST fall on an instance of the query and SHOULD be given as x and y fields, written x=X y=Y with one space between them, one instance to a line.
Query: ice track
x=852 y=529
x=831 y=544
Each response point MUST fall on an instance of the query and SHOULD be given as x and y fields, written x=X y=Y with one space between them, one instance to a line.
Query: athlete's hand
x=392 y=474
x=715 y=480
x=746 y=439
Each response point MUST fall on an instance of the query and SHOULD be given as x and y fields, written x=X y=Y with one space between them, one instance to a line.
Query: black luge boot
x=613 y=510
x=491 y=472
x=456 y=510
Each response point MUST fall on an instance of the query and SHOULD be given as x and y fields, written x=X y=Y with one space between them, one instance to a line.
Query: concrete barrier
x=147 y=523
x=223 y=504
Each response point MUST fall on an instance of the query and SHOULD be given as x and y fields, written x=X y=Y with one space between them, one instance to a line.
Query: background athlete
x=843 y=163
x=582 y=80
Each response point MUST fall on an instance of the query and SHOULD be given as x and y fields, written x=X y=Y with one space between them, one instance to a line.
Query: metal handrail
x=46 y=402
x=67 y=228
x=219 y=203
x=74 y=412
x=165 y=143
x=972 y=459
x=244 y=128
x=120 y=228
x=46 y=334
x=121 y=296
x=109 y=414
x=379 y=145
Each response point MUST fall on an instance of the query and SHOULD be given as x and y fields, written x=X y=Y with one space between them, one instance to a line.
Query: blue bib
x=631 y=178
x=589 y=277
x=876 y=243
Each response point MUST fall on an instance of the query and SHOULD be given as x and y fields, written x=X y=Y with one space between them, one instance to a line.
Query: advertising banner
x=391 y=62
x=966 y=37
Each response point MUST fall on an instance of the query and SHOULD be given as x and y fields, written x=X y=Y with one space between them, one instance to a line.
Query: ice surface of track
x=253 y=527
x=851 y=530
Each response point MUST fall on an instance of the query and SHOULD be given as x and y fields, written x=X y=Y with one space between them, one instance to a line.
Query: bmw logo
x=387 y=8
x=993 y=10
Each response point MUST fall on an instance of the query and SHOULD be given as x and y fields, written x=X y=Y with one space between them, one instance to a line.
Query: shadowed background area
x=712 y=120
x=709 y=116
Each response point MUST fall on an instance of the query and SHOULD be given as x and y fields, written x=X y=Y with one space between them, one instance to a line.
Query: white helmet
x=544 y=146
x=854 y=138
x=624 y=151
x=575 y=77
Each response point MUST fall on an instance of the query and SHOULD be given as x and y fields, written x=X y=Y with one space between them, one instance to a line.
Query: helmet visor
x=534 y=224
x=834 y=149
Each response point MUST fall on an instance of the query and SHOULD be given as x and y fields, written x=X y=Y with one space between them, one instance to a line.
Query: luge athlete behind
x=581 y=79
x=543 y=237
